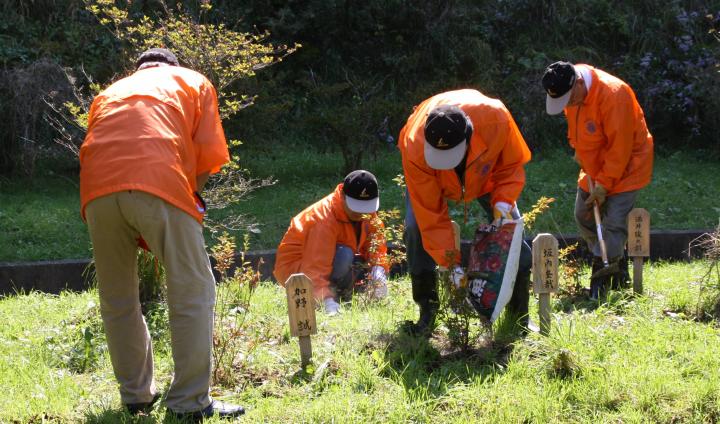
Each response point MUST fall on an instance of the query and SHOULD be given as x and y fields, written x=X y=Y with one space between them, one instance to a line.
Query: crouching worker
x=338 y=243
x=460 y=146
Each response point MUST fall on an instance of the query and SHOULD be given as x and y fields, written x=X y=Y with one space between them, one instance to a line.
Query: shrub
x=24 y=135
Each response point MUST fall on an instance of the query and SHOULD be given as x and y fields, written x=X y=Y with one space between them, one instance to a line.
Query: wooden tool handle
x=598 y=222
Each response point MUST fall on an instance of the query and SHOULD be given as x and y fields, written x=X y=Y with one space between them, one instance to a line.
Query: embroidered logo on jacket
x=591 y=128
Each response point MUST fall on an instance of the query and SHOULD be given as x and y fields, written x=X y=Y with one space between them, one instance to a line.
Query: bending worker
x=461 y=146
x=153 y=139
x=338 y=243
x=607 y=129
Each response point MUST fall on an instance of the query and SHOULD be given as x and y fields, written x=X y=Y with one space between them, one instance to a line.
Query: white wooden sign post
x=638 y=244
x=545 y=275
x=301 y=311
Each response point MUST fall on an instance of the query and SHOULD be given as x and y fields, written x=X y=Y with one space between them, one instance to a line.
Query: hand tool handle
x=598 y=223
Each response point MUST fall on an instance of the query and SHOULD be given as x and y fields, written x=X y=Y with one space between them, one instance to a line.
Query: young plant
x=708 y=303
x=569 y=268
x=231 y=336
x=458 y=315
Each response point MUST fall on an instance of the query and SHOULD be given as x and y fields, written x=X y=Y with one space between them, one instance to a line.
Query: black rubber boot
x=621 y=279
x=518 y=304
x=424 y=291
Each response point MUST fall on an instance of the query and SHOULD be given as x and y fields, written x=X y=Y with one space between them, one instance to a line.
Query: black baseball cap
x=361 y=192
x=157 y=55
x=447 y=132
x=558 y=81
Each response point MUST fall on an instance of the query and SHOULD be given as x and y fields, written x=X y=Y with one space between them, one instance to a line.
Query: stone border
x=56 y=276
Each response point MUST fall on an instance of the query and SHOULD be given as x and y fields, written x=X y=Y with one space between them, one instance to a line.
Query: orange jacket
x=609 y=135
x=153 y=131
x=495 y=164
x=310 y=242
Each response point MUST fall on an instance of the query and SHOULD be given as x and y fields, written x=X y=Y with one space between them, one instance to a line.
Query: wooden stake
x=545 y=275
x=301 y=313
x=638 y=244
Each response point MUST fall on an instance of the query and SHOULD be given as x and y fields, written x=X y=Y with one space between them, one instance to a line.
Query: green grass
x=41 y=221
x=630 y=360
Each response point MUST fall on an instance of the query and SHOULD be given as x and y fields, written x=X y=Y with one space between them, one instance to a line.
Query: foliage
x=232 y=338
x=569 y=264
x=216 y=51
x=708 y=304
x=542 y=204
x=26 y=137
x=153 y=279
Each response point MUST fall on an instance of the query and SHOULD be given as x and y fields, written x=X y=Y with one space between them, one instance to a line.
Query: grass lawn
x=631 y=360
x=40 y=218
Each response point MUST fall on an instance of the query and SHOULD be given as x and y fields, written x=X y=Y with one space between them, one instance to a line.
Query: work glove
x=457 y=276
x=378 y=279
x=331 y=306
x=599 y=193
x=501 y=210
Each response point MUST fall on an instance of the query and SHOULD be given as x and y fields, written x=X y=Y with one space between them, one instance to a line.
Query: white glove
x=501 y=210
x=457 y=276
x=331 y=306
x=379 y=282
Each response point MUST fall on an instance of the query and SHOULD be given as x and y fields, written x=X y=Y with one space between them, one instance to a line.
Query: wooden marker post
x=301 y=311
x=638 y=244
x=545 y=274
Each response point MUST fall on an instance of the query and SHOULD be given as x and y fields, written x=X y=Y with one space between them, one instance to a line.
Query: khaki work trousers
x=115 y=222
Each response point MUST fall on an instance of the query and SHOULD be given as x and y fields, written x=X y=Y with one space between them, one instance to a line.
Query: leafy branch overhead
x=215 y=50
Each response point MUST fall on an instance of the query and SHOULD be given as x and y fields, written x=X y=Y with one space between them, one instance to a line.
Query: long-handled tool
x=607 y=269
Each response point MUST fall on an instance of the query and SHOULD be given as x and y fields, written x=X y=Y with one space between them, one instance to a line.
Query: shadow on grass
x=121 y=416
x=429 y=367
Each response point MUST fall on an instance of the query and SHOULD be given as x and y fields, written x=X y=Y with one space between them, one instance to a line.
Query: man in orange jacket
x=607 y=129
x=332 y=240
x=460 y=146
x=153 y=139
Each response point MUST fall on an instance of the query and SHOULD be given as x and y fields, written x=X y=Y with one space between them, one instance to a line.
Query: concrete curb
x=56 y=276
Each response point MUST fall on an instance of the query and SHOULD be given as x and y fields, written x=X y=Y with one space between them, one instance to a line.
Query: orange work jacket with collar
x=311 y=239
x=610 y=136
x=154 y=131
x=495 y=163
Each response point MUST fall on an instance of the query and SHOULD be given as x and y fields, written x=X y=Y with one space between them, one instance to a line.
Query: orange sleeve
x=508 y=174
x=431 y=214
x=619 y=123
x=318 y=256
x=375 y=244
x=208 y=135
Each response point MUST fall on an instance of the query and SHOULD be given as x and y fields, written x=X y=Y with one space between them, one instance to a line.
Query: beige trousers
x=115 y=222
